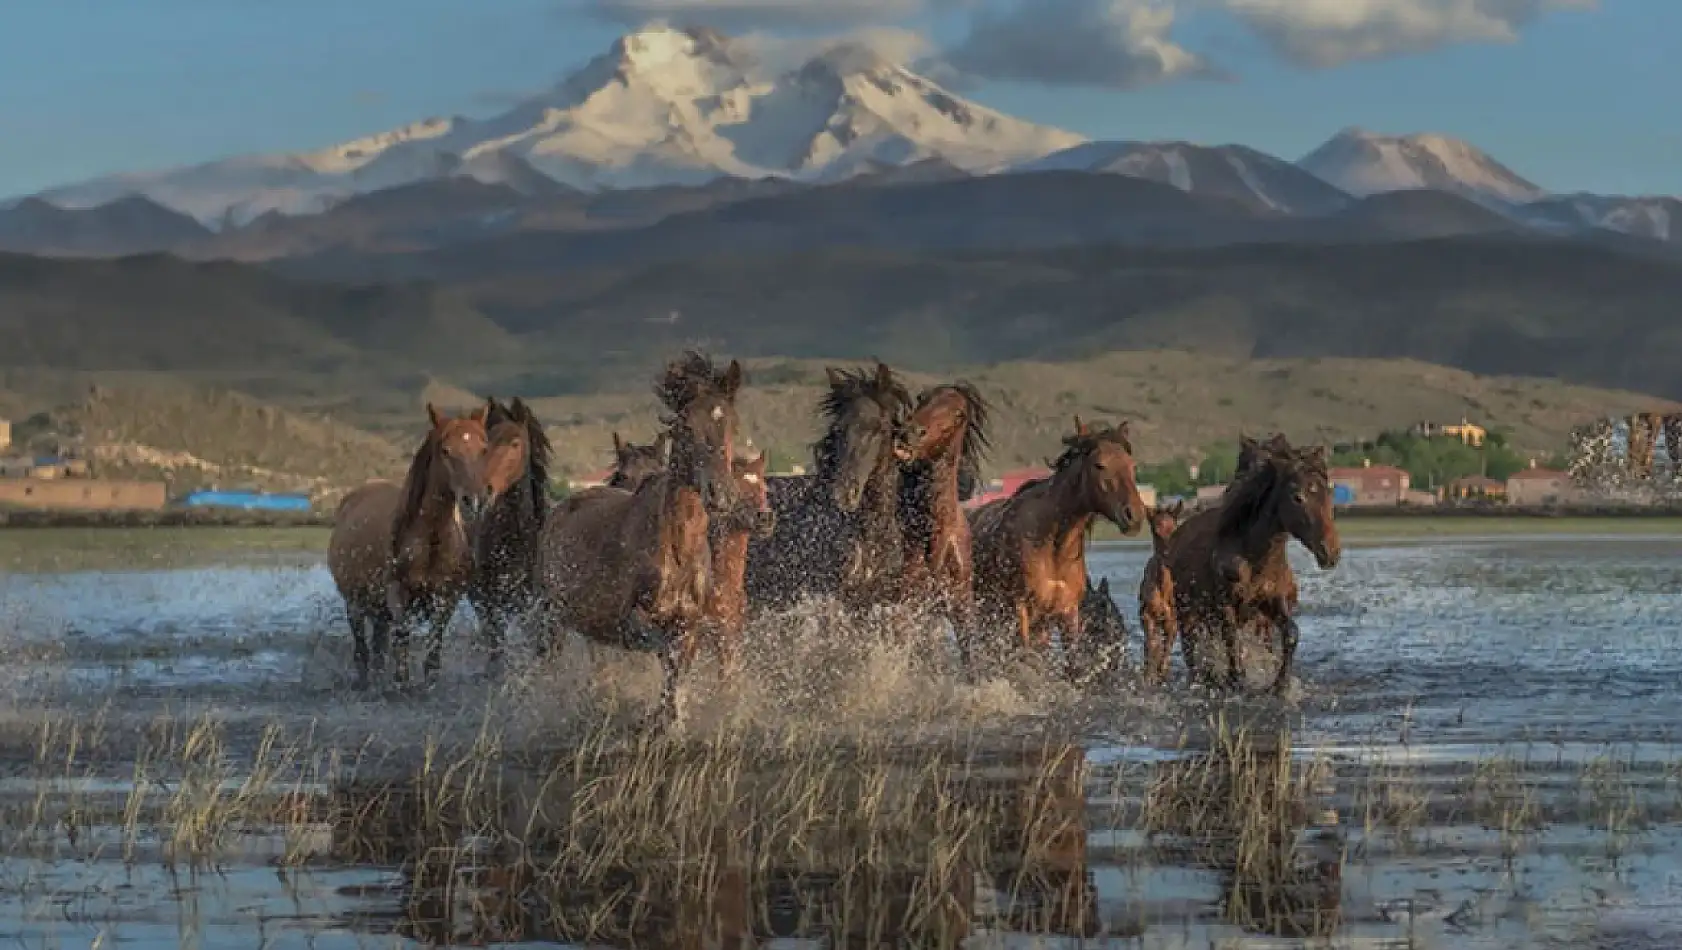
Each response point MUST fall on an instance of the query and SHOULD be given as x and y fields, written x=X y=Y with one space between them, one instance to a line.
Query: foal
x=1157 y=620
x=724 y=615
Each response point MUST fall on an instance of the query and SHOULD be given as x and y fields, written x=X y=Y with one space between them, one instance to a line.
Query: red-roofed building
x=1369 y=485
x=1539 y=486
x=1006 y=485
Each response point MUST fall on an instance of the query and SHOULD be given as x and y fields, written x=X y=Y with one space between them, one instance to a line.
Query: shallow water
x=1421 y=664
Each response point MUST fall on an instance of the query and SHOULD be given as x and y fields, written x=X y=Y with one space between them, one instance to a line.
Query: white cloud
x=748 y=15
x=1122 y=44
x=1324 y=33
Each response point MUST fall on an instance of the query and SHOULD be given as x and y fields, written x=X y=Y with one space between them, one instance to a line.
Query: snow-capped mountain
x=662 y=106
x=1365 y=163
x=1658 y=218
x=1255 y=179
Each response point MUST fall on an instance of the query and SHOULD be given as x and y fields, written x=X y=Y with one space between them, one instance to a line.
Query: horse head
x=754 y=495
x=1296 y=485
x=1101 y=460
x=458 y=445
x=950 y=423
x=508 y=451
x=701 y=417
x=1164 y=519
x=868 y=432
x=633 y=464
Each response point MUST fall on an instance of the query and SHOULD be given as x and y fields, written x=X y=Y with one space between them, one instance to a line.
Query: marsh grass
x=508 y=826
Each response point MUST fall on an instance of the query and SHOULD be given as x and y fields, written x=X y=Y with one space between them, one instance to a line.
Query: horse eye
x=1300 y=498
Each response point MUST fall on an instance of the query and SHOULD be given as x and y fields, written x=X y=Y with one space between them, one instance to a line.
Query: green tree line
x=1430 y=462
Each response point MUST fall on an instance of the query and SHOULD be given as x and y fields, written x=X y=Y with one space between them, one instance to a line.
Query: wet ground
x=1497 y=721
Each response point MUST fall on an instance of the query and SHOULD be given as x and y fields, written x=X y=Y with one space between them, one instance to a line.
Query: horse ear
x=884 y=375
x=1104 y=586
x=732 y=380
x=618 y=445
x=834 y=376
x=435 y=416
x=1245 y=443
x=1317 y=455
x=478 y=415
x=519 y=410
x=1080 y=427
x=663 y=447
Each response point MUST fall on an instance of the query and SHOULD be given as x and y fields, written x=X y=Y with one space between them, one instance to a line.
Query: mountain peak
x=1364 y=162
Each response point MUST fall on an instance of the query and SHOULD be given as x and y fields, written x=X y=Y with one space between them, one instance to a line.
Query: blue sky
x=1581 y=98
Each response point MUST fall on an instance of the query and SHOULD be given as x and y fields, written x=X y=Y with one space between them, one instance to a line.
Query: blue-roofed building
x=246 y=500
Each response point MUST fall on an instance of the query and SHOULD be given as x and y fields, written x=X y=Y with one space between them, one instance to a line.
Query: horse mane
x=686 y=379
x=1082 y=444
x=1079 y=445
x=847 y=387
x=414 y=488
x=1253 y=488
x=977 y=440
x=540 y=452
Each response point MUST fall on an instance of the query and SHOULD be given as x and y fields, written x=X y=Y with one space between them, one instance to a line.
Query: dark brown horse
x=518 y=457
x=727 y=602
x=1103 y=628
x=632 y=463
x=632 y=569
x=838 y=531
x=402 y=556
x=1229 y=564
x=950 y=427
x=1156 y=595
x=1030 y=548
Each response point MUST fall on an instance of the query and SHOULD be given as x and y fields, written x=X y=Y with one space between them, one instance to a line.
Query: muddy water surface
x=1497 y=720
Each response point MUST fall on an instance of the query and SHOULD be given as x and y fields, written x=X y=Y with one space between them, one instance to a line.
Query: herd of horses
x=686 y=540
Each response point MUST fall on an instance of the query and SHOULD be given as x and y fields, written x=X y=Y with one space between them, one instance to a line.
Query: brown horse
x=518 y=457
x=726 y=607
x=1030 y=548
x=1229 y=563
x=402 y=556
x=632 y=463
x=1156 y=595
x=950 y=427
x=838 y=530
x=632 y=568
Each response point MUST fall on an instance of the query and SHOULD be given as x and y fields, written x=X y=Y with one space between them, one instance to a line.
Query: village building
x=83 y=494
x=1475 y=488
x=1540 y=486
x=1370 y=485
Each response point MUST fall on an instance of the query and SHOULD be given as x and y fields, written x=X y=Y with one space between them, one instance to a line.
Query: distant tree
x=1169 y=478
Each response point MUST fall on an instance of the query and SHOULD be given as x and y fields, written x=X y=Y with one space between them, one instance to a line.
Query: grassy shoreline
x=161 y=547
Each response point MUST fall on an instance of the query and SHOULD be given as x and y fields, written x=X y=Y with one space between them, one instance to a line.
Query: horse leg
x=1075 y=660
x=1170 y=633
x=1155 y=644
x=1235 y=678
x=437 y=621
x=963 y=631
x=1288 y=637
x=401 y=611
x=493 y=627
x=358 y=618
x=380 y=617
